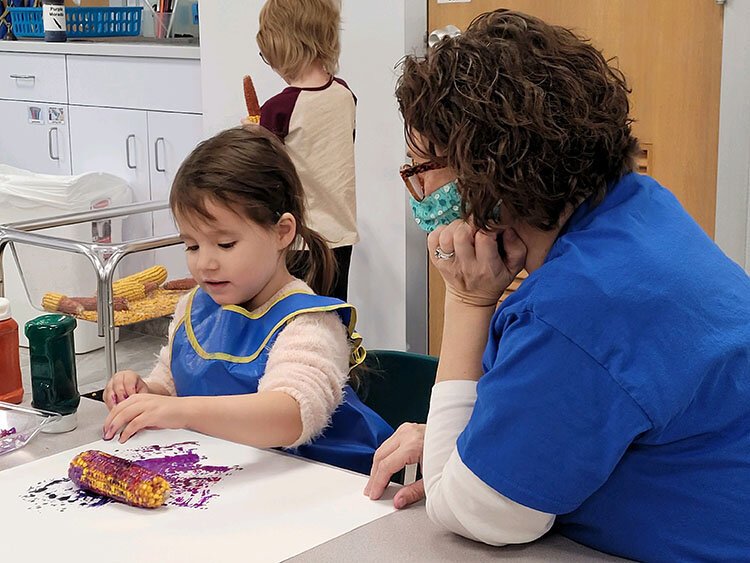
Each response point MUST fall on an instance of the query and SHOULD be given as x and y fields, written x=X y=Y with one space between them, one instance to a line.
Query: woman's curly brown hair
x=525 y=112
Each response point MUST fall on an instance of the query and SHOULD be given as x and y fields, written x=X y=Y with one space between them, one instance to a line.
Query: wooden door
x=670 y=52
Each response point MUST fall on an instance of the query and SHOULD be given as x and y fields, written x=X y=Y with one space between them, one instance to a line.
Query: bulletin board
x=240 y=504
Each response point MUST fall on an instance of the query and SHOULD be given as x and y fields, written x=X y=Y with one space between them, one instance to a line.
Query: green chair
x=398 y=385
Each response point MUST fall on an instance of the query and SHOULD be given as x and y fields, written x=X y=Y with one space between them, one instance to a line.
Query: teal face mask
x=441 y=207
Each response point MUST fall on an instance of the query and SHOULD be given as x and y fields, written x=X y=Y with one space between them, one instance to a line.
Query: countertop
x=178 y=48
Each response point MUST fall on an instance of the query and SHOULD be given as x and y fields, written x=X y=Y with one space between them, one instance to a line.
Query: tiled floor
x=134 y=351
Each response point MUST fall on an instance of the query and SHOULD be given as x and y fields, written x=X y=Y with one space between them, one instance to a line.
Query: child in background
x=315 y=117
x=254 y=355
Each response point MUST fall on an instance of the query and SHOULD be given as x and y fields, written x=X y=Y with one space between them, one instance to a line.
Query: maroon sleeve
x=345 y=85
x=277 y=111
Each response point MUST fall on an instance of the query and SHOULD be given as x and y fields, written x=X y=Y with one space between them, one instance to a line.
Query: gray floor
x=134 y=351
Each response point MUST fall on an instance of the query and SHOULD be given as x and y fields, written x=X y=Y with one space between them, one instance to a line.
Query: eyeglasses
x=410 y=176
x=262 y=58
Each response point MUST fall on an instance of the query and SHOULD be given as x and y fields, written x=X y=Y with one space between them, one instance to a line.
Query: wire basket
x=80 y=22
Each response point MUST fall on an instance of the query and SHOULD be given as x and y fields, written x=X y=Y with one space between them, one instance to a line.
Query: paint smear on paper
x=8 y=432
x=191 y=482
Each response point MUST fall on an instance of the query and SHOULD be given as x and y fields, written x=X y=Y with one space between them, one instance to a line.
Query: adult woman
x=614 y=398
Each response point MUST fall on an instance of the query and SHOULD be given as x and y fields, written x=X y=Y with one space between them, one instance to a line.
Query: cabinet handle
x=127 y=151
x=156 y=154
x=23 y=77
x=49 y=144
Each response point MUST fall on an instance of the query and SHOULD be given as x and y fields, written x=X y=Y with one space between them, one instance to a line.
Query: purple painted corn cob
x=119 y=479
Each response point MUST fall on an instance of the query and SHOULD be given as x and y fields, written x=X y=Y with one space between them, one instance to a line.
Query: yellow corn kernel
x=156 y=274
x=130 y=290
x=51 y=301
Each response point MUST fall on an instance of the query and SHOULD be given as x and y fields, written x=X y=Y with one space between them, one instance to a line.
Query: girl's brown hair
x=294 y=33
x=248 y=171
x=525 y=112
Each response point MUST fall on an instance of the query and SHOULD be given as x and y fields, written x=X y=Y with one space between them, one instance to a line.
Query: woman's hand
x=403 y=448
x=145 y=411
x=471 y=266
x=122 y=385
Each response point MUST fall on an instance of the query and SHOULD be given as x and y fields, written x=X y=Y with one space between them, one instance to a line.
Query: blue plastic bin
x=81 y=22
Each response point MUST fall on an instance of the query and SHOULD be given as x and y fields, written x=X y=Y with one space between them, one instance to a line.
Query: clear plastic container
x=18 y=425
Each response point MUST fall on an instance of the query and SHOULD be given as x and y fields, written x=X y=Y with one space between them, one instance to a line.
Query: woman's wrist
x=465 y=329
x=470 y=301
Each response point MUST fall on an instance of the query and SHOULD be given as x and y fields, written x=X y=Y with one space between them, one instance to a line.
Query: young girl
x=254 y=355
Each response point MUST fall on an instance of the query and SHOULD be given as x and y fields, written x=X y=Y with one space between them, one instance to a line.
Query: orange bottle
x=11 y=388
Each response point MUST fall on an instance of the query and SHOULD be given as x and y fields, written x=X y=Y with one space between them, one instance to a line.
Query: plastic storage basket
x=81 y=22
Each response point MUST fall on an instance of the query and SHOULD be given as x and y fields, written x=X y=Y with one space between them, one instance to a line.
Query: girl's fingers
x=133 y=427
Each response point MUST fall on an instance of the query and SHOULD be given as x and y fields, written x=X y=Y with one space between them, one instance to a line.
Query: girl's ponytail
x=321 y=266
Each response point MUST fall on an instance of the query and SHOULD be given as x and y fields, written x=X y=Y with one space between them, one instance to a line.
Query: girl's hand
x=122 y=385
x=145 y=411
x=475 y=274
x=403 y=448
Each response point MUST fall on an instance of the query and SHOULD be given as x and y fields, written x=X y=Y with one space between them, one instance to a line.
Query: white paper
x=275 y=507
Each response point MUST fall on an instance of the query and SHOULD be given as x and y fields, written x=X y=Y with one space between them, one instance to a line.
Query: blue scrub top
x=616 y=391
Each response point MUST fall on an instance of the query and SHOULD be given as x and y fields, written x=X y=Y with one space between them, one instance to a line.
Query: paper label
x=56 y=114
x=36 y=115
x=53 y=18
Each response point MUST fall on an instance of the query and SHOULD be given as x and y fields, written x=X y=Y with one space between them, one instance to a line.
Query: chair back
x=398 y=385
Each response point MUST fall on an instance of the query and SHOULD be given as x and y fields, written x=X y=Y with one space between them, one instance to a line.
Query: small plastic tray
x=18 y=425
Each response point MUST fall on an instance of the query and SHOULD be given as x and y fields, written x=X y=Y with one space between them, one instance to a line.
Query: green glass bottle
x=54 y=385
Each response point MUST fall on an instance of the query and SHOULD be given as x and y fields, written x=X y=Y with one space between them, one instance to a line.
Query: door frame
x=732 y=232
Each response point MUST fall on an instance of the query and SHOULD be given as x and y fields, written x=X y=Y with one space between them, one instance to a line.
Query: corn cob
x=89 y=303
x=57 y=302
x=158 y=304
x=156 y=274
x=119 y=479
x=251 y=100
x=181 y=284
x=132 y=290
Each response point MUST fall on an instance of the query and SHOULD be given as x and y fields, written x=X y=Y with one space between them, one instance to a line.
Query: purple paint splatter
x=8 y=432
x=178 y=463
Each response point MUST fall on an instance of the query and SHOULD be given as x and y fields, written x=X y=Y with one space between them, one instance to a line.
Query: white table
x=406 y=535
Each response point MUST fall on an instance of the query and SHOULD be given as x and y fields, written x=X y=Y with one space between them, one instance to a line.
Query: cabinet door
x=171 y=138
x=116 y=141
x=35 y=136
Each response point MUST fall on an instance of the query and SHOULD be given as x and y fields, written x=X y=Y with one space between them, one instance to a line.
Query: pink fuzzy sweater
x=309 y=361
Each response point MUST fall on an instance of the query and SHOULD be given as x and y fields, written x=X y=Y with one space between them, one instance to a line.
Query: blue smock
x=223 y=350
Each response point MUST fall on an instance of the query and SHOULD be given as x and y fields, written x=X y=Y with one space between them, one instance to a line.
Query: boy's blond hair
x=295 y=33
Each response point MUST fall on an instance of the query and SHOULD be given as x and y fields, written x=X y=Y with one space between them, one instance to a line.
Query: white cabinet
x=120 y=147
x=35 y=136
x=137 y=118
x=33 y=77
x=171 y=138
x=129 y=82
x=145 y=148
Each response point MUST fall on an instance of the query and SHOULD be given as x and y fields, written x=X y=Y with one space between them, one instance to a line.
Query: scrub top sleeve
x=550 y=423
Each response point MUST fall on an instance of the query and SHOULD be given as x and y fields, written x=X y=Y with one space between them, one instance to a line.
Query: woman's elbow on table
x=462 y=503
x=508 y=532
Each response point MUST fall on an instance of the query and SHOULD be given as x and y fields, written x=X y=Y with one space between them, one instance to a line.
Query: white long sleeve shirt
x=456 y=498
